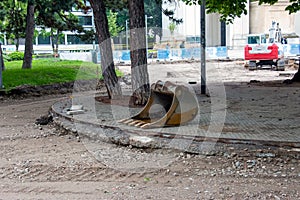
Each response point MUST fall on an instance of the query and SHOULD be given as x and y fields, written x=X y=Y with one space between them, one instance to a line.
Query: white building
x=70 y=41
x=258 y=20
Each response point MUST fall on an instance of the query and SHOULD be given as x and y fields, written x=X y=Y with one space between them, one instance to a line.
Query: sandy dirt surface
x=39 y=162
x=216 y=71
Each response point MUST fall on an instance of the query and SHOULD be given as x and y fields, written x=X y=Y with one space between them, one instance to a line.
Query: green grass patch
x=48 y=71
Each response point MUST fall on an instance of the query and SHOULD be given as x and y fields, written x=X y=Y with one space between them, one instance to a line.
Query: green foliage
x=229 y=9
x=13 y=18
x=6 y=58
x=16 y=55
x=114 y=29
x=2 y=13
x=48 y=71
x=154 y=9
x=116 y=4
x=88 y=36
x=292 y=8
x=57 y=15
x=172 y=26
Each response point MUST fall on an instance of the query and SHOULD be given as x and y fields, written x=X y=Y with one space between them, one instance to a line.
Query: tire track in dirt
x=42 y=173
x=60 y=167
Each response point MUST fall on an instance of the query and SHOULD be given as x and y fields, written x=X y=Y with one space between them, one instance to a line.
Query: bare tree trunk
x=56 y=42
x=27 y=62
x=18 y=44
x=138 y=55
x=1 y=67
x=107 y=62
x=52 y=41
x=296 y=77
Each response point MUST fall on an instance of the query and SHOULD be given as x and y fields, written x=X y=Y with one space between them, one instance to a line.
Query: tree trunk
x=27 y=62
x=18 y=44
x=52 y=41
x=138 y=55
x=1 y=67
x=296 y=77
x=56 y=43
x=107 y=62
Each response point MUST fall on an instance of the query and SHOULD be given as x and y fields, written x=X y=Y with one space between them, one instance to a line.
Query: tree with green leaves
x=55 y=35
x=57 y=17
x=13 y=20
x=113 y=27
x=52 y=14
x=139 y=72
x=154 y=9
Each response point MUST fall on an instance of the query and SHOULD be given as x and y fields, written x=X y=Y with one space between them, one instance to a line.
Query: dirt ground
x=38 y=162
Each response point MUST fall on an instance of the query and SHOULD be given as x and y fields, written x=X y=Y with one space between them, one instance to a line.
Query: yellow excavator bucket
x=168 y=105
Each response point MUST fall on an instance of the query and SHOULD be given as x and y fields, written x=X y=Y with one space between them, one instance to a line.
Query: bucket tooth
x=128 y=121
x=140 y=124
x=134 y=122
x=145 y=125
x=122 y=120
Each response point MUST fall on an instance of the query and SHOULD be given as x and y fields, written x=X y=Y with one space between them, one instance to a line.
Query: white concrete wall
x=84 y=56
x=213 y=30
x=237 y=31
x=261 y=17
x=297 y=23
x=48 y=48
x=258 y=20
x=191 y=24
x=190 y=16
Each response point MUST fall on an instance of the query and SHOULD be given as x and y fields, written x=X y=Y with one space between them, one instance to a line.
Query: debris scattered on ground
x=74 y=110
x=44 y=120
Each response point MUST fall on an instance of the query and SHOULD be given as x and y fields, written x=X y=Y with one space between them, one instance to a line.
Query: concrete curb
x=151 y=139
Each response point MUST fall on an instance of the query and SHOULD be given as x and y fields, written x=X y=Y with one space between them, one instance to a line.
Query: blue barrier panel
x=221 y=52
x=163 y=54
x=125 y=55
x=210 y=53
x=98 y=57
x=187 y=53
x=294 y=49
x=285 y=49
x=196 y=53
x=175 y=52
x=117 y=55
x=184 y=53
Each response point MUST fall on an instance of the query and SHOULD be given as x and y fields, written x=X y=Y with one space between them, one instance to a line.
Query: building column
x=223 y=33
x=66 y=39
x=37 y=40
x=213 y=34
x=5 y=40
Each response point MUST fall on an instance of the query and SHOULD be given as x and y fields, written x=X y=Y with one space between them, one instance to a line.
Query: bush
x=6 y=58
x=16 y=55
